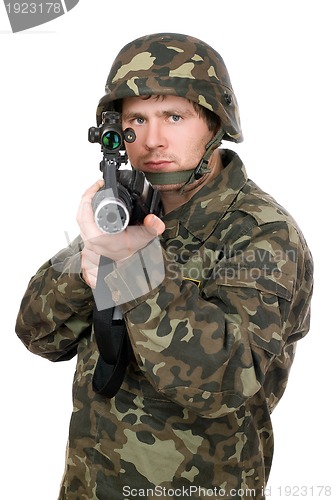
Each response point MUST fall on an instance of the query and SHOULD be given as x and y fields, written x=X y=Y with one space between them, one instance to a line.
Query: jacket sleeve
x=210 y=349
x=56 y=309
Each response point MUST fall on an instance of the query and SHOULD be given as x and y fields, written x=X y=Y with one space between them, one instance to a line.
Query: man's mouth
x=157 y=165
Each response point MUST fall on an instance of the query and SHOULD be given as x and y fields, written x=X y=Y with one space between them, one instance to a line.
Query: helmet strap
x=187 y=177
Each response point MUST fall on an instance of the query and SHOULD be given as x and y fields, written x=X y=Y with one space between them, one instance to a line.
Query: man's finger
x=90 y=192
x=154 y=224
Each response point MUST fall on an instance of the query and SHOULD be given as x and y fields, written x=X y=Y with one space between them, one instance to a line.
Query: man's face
x=170 y=135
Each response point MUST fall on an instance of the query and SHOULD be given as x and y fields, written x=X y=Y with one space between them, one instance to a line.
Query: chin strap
x=186 y=177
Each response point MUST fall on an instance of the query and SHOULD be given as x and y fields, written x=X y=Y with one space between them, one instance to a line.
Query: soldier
x=211 y=334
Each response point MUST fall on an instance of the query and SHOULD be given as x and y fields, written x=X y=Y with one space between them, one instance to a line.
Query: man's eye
x=175 y=118
x=139 y=120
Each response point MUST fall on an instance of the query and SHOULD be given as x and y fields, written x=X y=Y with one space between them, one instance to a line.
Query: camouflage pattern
x=174 y=64
x=213 y=345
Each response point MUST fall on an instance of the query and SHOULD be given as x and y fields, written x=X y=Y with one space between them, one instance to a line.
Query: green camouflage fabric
x=174 y=64
x=212 y=348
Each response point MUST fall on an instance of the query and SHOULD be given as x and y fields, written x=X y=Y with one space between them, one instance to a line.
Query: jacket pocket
x=255 y=300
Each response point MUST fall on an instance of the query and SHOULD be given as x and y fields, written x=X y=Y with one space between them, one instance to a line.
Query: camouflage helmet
x=174 y=64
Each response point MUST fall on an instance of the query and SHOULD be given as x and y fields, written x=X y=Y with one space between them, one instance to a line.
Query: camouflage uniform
x=212 y=355
x=213 y=344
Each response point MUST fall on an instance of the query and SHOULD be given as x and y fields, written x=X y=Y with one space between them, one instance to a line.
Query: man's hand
x=116 y=247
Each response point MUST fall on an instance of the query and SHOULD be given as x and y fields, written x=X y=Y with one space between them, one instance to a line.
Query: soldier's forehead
x=170 y=103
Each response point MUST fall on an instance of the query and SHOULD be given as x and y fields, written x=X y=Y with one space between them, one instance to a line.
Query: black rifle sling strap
x=111 y=337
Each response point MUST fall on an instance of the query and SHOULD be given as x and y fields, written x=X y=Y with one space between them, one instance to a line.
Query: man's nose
x=155 y=137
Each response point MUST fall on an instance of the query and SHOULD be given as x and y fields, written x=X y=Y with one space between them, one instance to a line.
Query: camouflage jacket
x=213 y=344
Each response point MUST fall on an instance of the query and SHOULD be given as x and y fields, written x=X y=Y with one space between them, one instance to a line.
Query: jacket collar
x=202 y=212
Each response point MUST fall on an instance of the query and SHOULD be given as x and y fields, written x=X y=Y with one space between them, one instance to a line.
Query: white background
x=279 y=55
